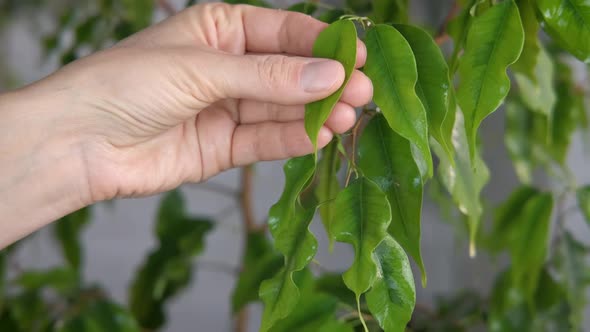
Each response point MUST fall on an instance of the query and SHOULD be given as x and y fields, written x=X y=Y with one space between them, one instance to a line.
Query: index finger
x=278 y=31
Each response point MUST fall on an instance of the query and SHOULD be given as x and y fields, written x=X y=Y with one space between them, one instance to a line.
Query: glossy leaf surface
x=465 y=179
x=362 y=215
x=328 y=185
x=568 y=22
x=494 y=42
x=433 y=86
x=392 y=68
x=337 y=42
x=289 y=223
x=386 y=159
x=393 y=295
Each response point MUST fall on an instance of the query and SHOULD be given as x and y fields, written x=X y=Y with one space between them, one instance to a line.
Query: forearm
x=42 y=167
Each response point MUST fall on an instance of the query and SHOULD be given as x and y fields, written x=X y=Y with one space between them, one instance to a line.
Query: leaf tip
x=472 y=249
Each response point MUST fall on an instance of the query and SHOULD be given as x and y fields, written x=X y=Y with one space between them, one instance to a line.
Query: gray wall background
x=121 y=233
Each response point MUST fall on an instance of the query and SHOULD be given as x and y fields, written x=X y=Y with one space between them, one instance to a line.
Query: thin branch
x=166 y=7
x=246 y=198
x=442 y=36
x=355 y=130
x=248 y=218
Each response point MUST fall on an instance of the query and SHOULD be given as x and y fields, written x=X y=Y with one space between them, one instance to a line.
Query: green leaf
x=331 y=15
x=386 y=159
x=457 y=29
x=572 y=271
x=528 y=242
x=7 y=322
x=568 y=113
x=465 y=179
x=359 y=6
x=568 y=22
x=508 y=309
x=67 y=232
x=312 y=313
x=332 y=284
x=390 y=11
x=190 y=3
x=506 y=213
x=3 y=264
x=328 y=186
x=289 y=225
x=29 y=311
x=527 y=62
x=101 y=316
x=86 y=30
x=306 y=7
x=583 y=196
x=494 y=42
x=363 y=215
x=519 y=140
x=337 y=42
x=138 y=12
x=169 y=268
x=260 y=262
x=393 y=296
x=62 y=279
x=537 y=92
x=392 y=68
x=433 y=86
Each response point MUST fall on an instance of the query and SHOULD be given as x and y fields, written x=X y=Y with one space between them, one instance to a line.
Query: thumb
x=277 y=79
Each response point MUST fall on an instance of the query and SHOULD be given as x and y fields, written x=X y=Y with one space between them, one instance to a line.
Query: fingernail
x=320 y=75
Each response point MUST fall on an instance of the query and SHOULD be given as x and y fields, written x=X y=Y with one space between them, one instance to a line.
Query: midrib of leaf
x=362 y=214
x=494 y=47
x=579 y=16
x=392 y=78
x=388 y=157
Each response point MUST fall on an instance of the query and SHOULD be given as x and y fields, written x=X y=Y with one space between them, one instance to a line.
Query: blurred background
x=121 y=232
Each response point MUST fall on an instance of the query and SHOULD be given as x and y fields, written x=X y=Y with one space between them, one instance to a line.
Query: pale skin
x=214 y=87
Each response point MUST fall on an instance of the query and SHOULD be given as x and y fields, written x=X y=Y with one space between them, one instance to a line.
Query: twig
x=166 y=7
x=246 y=199
x=442 y=36
x=355 y=130
x=248 y=219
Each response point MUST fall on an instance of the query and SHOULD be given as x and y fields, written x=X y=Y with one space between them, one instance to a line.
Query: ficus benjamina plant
x=434 y=85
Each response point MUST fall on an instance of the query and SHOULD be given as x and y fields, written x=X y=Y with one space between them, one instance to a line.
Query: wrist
x=41 y=162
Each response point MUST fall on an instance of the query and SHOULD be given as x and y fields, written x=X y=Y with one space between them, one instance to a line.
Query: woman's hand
x=214 y=87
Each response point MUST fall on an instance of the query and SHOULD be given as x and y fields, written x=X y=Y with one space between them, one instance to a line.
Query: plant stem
x=247 y=185
x=442 y=36
x=248 y=219
x=352 y=166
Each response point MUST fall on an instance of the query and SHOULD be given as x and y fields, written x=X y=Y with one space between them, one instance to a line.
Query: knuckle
x=277 y=71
